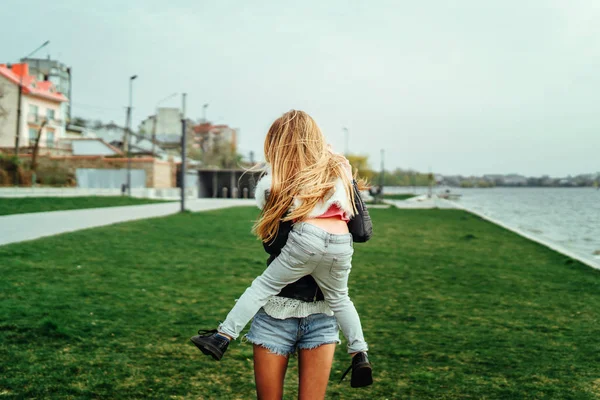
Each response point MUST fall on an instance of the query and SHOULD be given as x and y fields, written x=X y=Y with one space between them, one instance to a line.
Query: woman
x=311 y=187
x=313 y=337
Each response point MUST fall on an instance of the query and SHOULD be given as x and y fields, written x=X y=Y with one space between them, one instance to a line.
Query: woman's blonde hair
x=302 y=167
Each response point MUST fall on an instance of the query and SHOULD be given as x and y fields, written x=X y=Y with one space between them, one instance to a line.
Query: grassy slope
x=24 y=205
x=453 y=307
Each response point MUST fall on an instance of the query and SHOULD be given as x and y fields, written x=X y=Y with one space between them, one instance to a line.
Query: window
x=50 y=114
x=32 y=136
x=33 y=110
x=50 y=139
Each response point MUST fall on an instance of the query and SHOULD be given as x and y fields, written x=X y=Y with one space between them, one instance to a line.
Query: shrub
x=54 y=174
x=4 y=178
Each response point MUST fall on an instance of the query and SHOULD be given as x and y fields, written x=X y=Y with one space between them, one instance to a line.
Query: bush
x=9 y=163
x=4 y=178
x=8 y=166
x=24 y=177
x=54 y=174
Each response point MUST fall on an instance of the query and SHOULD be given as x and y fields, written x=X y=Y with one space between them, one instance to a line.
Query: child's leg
x=332 y=277
x=287 y=268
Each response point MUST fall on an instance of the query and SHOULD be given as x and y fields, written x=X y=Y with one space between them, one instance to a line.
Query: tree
x=78 y=121
x=360 y=163
x=36 y=146
x=220 y=155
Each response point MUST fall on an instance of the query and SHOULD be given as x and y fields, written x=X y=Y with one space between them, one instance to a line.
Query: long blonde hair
x=302 y=167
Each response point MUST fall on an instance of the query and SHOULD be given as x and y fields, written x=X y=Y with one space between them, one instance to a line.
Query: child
x=312 y=187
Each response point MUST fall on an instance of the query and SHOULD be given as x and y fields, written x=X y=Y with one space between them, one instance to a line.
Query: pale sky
x=458 y=87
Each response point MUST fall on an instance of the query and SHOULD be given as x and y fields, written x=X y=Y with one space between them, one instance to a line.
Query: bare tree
x=36 y=146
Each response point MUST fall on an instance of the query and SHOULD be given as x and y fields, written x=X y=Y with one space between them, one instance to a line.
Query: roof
x=169 y=138
x=139 y=143
x=206 y=127
x=93 y=147
x=19 y=74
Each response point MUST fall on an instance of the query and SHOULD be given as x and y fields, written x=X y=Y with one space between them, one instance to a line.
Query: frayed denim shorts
x=286 y=336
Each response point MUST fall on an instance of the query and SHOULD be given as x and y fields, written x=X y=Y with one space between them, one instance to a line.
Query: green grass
x=453 y=307
x=22 y=205
x=398 y=196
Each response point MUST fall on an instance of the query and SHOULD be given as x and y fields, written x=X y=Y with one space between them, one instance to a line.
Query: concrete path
x=22 y=227
x=422 y=202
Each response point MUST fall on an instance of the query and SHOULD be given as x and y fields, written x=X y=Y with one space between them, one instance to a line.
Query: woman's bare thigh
x=269 y=373
x=314 y=367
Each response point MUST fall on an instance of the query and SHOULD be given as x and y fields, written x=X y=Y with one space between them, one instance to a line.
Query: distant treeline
x=397 y=177
x=408 y=177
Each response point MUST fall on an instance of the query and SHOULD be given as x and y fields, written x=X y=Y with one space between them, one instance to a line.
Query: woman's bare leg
x=269 y=373
x=314 y=367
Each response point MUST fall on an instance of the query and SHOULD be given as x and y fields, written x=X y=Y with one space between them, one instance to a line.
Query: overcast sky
x=458 y=87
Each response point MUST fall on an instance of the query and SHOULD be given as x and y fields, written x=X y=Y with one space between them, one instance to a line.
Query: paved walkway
x=422 y=202
x=22 y=227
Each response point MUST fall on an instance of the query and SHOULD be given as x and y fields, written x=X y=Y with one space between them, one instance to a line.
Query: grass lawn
x=453 y=307
x=403 y=196
x=22 y=205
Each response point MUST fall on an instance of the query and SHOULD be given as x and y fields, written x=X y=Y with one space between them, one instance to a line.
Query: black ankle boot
x=211 y=343
x=361 y=371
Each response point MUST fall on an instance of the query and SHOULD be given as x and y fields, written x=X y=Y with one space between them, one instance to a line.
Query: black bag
x=360 y=225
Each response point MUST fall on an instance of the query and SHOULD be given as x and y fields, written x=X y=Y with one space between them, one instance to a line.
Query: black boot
x=361 y=371
x=211 y=343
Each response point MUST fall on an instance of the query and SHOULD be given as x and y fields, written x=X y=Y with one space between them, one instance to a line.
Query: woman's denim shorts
x=285 y=336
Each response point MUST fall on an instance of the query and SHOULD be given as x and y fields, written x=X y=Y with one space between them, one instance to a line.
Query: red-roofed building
x=40 y=109
x=207 y=136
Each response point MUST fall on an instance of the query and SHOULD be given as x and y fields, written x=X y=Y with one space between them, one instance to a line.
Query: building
x=496 y=179
x=41 y=109
x=515 y=180
x=167 y=121
x=227 y=183
x=207 y=136
x=56 y=72
x=139 y=144
x=164 y=129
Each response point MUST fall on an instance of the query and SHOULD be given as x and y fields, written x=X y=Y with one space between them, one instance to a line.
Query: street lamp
x=346 y=137
x=131 y=79
x=183 y=149
x=204 y=107
x=18 y=132
x=156 y=116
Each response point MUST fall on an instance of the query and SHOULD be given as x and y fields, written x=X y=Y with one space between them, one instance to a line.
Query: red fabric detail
x=334 y=211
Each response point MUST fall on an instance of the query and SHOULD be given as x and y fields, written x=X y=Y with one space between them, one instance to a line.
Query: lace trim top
x=283 y=307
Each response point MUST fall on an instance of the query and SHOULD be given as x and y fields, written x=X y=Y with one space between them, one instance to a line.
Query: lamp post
x=183 y=150
x=19 y=97
x=204 y=107
x=128 y=128
x=155 y=118
x=346 y=138
x=382 y=175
